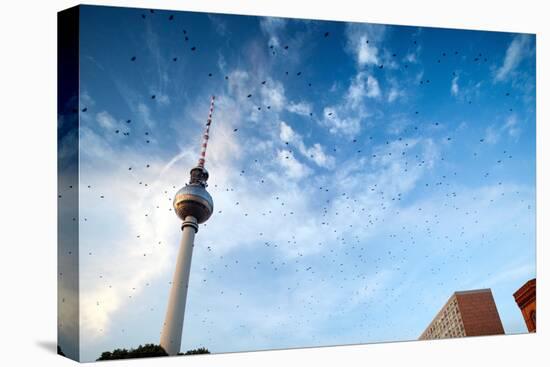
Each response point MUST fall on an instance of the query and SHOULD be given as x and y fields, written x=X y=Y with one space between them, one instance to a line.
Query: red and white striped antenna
x=206 y=133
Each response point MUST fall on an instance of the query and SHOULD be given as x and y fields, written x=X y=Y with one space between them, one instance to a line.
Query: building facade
x=466 y=313
x=526 y=298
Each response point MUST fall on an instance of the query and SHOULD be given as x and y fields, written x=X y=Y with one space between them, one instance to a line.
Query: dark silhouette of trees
x=147 y=350
x=201 y=350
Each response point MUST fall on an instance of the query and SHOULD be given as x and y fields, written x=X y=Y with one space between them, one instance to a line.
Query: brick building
x=526 y=298
x=466 y=313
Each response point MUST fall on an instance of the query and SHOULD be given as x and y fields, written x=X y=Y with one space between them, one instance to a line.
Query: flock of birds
x=344 y=259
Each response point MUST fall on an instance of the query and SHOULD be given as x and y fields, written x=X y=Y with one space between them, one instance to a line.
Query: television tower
x=193 y=205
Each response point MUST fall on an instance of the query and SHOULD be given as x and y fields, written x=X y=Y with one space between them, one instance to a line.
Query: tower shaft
x=172 y=328
x=193 y=205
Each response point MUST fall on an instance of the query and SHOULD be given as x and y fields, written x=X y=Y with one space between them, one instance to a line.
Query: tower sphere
x=194 y=200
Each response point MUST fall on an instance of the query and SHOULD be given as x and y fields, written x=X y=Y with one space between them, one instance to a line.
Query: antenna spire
x=206 y=133
x=199 y=174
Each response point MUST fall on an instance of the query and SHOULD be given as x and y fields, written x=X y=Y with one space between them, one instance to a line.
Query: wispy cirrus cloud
x=345 y=118
x=105 y=120
x=315 y=153
x=510 y=127
x=300 y=108
x=218 y=24
x=273 y=27
x=454 y=86
x=518 y=49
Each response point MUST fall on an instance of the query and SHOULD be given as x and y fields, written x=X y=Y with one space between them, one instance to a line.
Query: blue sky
x=376 y=171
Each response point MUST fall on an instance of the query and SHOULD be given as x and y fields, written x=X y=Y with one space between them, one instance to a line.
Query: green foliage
x=147 y=350
x=201 y=350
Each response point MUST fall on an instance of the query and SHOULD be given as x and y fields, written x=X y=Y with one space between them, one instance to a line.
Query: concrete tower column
x=193 y=205
x=170 y=338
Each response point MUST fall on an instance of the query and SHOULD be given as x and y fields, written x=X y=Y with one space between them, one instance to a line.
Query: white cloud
x=287 y=134
x=96 y=145
x=356 y=90
x=517 y=50
x=454 y=86
x=238 y=84
x=241 y=85
x=467 y=90
x=300 y=108
x=366 y=54
x=291 y=166
x=162 y=99
x=511 y=273
x=493 y=133
x=224 y=146
x=412 y=57
x=145 y=115
x=105 y=120
x=219 y=25
x=418 y=77
x=394 y=93
x=222 y=63
x=273 y=95
x=398 y=124
x=115 y=268
x=511 y=126
x=347 y=125
x=345 y=118
x=395 y=90
x=86 y=100
x=318 y=155
x=315 y=153
x=388 y=60
x=272 y=27
x=362 y=40
x=373 y=89
x=363 y=85
x=160 y=63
